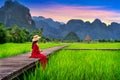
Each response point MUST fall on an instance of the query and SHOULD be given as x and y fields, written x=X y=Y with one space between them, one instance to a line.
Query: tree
x=18 y=35
x=27 y=33
x=3 y=34
x=88 y=39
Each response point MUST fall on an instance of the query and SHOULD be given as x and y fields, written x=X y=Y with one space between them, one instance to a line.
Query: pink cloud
x=64 y=13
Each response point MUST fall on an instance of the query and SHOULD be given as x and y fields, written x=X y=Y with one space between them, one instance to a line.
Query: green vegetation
x=95 y=45
x=19 y=35
x=80 y=65
x=3 y=34
x=12 y=49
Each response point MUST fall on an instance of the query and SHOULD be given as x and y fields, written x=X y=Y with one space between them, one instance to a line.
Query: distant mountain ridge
x=49 y=21
x=14 y=13
x=96 y=29
x=71 y=37
x=50 y=27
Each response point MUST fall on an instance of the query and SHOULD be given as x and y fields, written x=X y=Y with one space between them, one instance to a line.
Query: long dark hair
x=34 y=43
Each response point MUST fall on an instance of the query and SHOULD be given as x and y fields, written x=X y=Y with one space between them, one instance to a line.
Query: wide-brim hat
x=35 y=38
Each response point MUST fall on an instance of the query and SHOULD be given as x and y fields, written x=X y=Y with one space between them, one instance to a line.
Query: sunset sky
x=63 y=10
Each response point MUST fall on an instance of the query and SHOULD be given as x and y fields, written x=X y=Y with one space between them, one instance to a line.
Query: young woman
x=36 y=53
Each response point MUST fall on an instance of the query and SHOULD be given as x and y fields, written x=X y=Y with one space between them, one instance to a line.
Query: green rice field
x=80 y=65
x=12 y=49
x=72 y=64
x=95 y=45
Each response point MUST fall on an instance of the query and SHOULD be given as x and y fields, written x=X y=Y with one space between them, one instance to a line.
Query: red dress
x=37 y=54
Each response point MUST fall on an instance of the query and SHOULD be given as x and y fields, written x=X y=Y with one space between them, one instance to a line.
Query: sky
x=63 y=10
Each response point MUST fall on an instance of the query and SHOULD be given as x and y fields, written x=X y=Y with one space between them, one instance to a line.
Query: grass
x=95 y=45
x=80 y=65
x=12 y=49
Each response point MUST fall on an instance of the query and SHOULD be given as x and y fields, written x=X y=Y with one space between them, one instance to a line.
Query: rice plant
x=80 y=65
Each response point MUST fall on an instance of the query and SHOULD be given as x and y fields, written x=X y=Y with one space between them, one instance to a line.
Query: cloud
x=87 y=13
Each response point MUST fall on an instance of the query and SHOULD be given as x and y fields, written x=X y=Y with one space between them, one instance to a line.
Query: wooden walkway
x=13 y=66
x=92 y=49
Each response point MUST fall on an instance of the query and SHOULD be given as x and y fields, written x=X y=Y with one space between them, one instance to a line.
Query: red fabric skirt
x=42 y=57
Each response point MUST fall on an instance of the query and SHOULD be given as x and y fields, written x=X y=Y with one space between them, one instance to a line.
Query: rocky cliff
x=14 y=13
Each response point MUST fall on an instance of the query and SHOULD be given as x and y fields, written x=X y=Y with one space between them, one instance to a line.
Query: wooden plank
x=92 y=49
x=13 y=66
